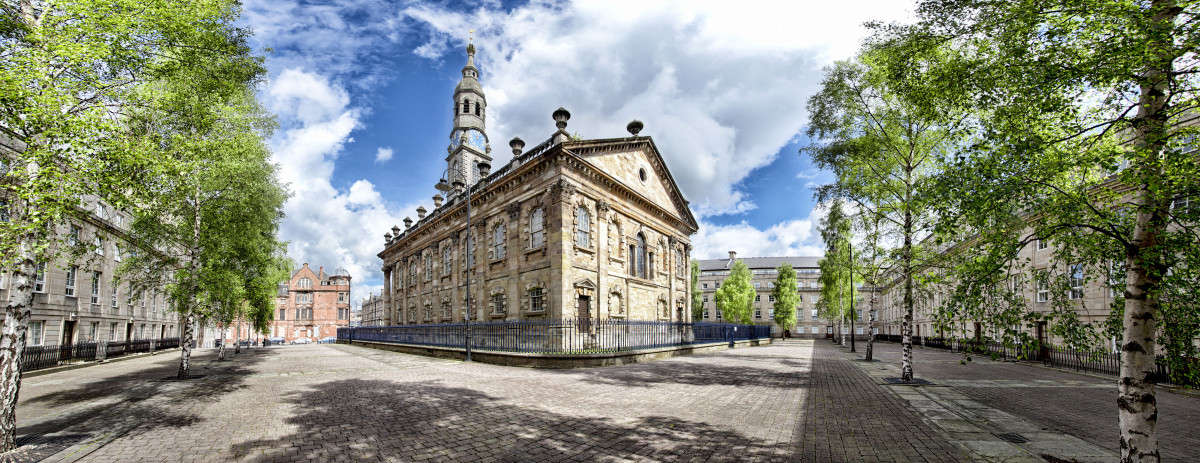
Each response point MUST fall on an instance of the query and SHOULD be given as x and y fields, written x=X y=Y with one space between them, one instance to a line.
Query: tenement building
x=78 y=297
x=571 y=228
x=763 y=273
x=312 y=305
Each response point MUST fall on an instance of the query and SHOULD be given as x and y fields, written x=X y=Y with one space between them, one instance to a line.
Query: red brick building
x=312 y=304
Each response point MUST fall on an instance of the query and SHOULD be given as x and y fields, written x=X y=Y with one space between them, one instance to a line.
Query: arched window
x=537 y=229
x=466 y=107
x=412 y=274
x=498 y=235
x=477 y=108
x=640 y=254
x=428 y=263
x=581 y=227
x=536 y=302
x=446 y=260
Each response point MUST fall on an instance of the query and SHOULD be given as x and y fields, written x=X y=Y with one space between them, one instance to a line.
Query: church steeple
x=468 y=138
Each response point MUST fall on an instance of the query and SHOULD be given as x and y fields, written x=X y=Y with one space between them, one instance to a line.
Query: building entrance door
x=584 y=314
x=68 y=334
x=1043 y=346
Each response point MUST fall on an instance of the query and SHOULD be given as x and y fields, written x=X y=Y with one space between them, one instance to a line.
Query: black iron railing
x=39 y=357
x=558 y=336
x=1093 y=362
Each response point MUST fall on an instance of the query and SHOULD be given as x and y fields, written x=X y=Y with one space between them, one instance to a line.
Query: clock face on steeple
x=474 y=138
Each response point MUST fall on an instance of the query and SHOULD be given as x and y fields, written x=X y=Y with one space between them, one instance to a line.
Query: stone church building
x=569 y=229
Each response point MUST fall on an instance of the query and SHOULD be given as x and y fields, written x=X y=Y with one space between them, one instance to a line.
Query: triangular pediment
x=636 y=164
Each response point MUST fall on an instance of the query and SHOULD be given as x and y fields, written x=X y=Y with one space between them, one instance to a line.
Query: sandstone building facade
x=78 y=297
x=763 y=273
x=569 y=229
x=312 y=304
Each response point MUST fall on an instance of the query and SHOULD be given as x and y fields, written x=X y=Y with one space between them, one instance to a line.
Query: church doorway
x=584 y=307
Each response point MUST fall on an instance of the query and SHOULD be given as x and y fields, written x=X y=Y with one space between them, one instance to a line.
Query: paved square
x=791 y=401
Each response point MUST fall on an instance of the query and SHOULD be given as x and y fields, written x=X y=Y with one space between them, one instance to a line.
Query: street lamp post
x=457 y=183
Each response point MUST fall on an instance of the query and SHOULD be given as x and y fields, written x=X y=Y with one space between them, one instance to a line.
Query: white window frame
x=39 y=277
x=1075 y=282
x=498 y=304
x=499 y=236
x=72 y=273
x=582 y=227
x=37 y=329
x=537 y=300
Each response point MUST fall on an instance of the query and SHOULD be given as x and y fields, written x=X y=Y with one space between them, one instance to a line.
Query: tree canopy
x=787 y=297
x=736 y=294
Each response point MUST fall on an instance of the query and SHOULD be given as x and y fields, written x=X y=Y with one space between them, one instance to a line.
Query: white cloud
x=383 y=155
x=325 y=226
x=721 y=86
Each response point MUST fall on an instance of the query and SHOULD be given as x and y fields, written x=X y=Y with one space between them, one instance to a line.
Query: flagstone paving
x=795 y=400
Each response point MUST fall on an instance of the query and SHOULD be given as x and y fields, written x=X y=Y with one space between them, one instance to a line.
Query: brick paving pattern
x=790 y=401
x=1080 y=405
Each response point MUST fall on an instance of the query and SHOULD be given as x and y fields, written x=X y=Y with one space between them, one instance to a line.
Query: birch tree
x=1090 y=112
x=884 y=142
x=66 y=71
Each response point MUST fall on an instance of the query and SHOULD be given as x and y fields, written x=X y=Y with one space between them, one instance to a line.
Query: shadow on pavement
x=358 y=419
x=699 y=374
x=104 y=405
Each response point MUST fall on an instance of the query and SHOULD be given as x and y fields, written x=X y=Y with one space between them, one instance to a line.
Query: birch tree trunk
x=12 y=345
x=906 y=329
x=870 y=327
x=185 y=346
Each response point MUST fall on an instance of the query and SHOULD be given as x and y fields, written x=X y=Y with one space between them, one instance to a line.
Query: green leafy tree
x=884 y=142
x=67 y=71
x=837 y=270
x=787 y=297
x=215 y=208
x=697 y=296
x=736 y=294
x=1089 y=108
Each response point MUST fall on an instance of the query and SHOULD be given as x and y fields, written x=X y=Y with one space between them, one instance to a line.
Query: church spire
x=468 y=138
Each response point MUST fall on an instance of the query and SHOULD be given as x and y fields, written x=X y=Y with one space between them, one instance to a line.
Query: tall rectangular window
x=498 y=236
x=39 y=278
x=814 y=314
x=582 y=225
x=537 y=229
x=113 y=299
x=34 y=337
x=446 y=267
x=70 y=286
x=498 y=304
x=1075 y=282
x=283 y=314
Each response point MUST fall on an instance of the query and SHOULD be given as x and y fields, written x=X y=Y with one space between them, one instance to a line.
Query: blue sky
x=362 y=90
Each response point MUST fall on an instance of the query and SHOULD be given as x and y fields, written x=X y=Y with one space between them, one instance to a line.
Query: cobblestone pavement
x=1033 y=400
x=790 y=401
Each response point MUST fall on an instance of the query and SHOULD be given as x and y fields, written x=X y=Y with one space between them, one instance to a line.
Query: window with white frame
x=34 y=334
x=537 y=228
x=858 y=329
x=705 y=298
x=757 y=297
x=498 y=304
x=117 y=252
x=1042 y=244
x=814 y=314
x=1075 y=282
x=718 y=314
x=445 y=309
x=582 y=227
x=816 y=330
x=757 y=285
x=498 y=236
x=99 y=244
x=39 y=278
x=304 y=283
x=1043 y=290
x=815 y=298
x=95 y=287
x=704 y=285
x=536 y=302
x=115 y=287
x=706 y=315
x=757 y=312
x=73 y=238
